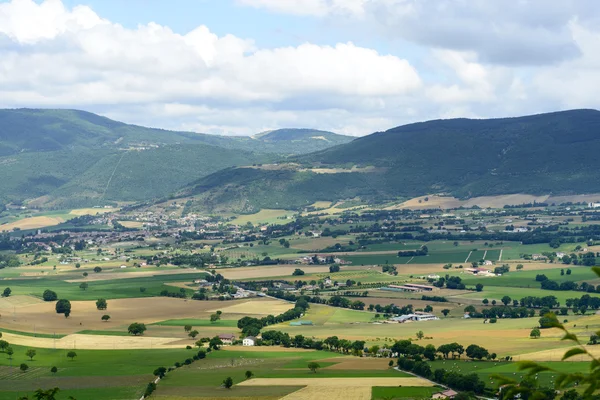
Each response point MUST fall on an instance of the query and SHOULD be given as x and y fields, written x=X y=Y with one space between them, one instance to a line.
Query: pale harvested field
x=32 y=223
x=263 y=216
x=92 y=211
x=132 y=224
x=557 y=354
x=268 y=271
x=337 y=393
x=484 y=201
x=260 y=307
x=94 y=342
x=12 y=302
x=111 y=276
x=43 y=318
x=355 y=363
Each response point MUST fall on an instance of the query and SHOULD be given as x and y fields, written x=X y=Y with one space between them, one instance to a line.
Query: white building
x=418 y=316
x=249 y=341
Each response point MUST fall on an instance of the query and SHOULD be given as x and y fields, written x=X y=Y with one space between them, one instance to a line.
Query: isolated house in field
x=249 y=341
x=227 y=338
x=446 y=394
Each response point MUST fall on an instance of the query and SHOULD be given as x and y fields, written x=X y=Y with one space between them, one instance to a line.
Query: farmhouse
x=249 y=341
x=446 y=394
x=417 y=317
x=227 y=338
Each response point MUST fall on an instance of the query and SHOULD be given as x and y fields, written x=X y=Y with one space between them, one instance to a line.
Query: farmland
x=329 y=278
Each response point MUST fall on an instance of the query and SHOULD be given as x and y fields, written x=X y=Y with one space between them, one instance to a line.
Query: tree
x=428 y=308
x=187 y=328
x=63 y=306
x=49 y=295
x=105 y=317
x=391 y=363
x=101 y=304
x=485 y=301
x=97 y=269
x=83 y=285
x=313 y=366
x=214 y=317
x=24 y=367
x=215 y=343
x=479 y=287
x=249 y=374
x=30 y=353
x=54 y=370
x=193 y=334
x=6 y=292
x=71 y=354
x=160 y=372
x=420 y=335
x=506 y=300
x=298 y=272
x=10 y=352
x=77 y=265
x=3 y=345
x=228 y=383
x=476 y=352
x=136 y=328
x=445 y=311
x=85 y=274
x=334 y=268
x=519 y=267
x=535 y=333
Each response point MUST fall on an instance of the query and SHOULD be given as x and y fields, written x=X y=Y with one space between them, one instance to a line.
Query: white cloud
x=52 y=56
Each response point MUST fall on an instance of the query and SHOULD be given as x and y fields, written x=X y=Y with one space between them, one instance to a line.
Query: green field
x=125 y=288
x=387 y=393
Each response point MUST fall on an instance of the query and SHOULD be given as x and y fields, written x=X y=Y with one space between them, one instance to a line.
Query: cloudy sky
x=238 y=67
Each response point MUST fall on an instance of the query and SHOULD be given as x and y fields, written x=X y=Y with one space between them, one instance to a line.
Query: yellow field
x=265 y=216
x=259 y=307
x=91 y=211
x=483 y=201
x=42 y=317
x=336 y=388
x=12 y=302
x=94 y=342
x=132 y=224
x=32 y=223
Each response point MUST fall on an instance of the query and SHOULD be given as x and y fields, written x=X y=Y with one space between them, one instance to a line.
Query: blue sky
x=238 y=67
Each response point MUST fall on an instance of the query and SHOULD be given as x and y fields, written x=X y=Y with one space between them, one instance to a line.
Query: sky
x=239 y=67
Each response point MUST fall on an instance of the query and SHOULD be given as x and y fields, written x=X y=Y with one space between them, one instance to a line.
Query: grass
x=40 y=335
x=198 y=322
x=126 y=288
x=380 y=393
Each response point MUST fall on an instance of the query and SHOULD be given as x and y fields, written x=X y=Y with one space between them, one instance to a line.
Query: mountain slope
x=52 y=130
x=72 y=158
x=539 y=154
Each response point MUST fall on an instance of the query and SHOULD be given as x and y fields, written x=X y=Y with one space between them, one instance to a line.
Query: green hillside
x=34 y=130
x=76 y=158
x=541 y=154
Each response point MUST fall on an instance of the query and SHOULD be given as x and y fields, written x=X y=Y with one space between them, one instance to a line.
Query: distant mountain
x=75 y=158
x=52 y=130
x=309 y=139
x=552 y=153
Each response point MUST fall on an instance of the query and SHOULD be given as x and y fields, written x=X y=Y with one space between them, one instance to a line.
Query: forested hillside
x=540 y=154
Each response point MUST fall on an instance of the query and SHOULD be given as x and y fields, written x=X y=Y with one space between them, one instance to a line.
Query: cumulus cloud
x=475 y=59
x=53 y=56
x=526 y=32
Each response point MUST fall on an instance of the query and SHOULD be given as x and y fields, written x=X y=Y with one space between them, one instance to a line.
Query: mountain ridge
x=537 y=154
